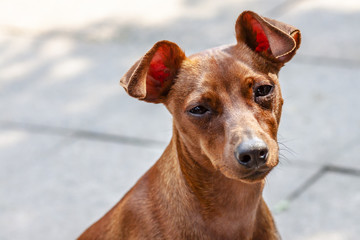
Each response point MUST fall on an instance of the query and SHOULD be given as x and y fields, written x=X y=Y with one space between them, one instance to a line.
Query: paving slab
x=319 y=118
x=78 y=99
x=23 y=180
x=130 y=117
x=328 y=210
x=327 y=28
x=70 y=188
x=60 y=87
x=349 y=157
x=283 y=181
x=17 y=146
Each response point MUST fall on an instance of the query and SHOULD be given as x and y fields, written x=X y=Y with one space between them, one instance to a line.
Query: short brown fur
x=198 y=189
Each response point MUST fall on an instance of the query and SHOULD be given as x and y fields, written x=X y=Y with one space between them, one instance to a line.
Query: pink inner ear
x=262 y=43
x=158 y=71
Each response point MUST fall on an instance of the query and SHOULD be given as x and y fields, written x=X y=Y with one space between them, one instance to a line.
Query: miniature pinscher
x=226 y=106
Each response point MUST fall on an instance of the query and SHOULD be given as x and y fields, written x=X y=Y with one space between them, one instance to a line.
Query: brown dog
x=226 y=106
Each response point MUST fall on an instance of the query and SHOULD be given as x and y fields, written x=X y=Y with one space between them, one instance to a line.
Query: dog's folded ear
x=274 y=40
x=151 y=77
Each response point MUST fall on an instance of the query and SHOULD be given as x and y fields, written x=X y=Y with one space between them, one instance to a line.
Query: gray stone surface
x=349 y=157
x=283 y=181
x=56 y=195
x=327 y=210
x=72 y=142
x=320 y=116
x=327 y=28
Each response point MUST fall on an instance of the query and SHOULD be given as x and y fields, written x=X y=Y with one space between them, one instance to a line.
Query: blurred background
x=72 y=142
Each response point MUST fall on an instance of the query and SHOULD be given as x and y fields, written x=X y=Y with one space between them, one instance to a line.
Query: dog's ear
x=151 y=77
x=274 y=40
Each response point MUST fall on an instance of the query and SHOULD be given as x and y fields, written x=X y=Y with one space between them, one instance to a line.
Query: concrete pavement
x=72 y=142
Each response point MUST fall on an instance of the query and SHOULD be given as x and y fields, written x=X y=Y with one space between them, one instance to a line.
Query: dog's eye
x=198 y=110
x=263 y=90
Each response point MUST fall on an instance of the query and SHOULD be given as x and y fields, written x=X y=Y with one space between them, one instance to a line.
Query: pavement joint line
x=306 y=185
x=89 y=135
x=342 y=170
x=105 y=137
x=318 y=175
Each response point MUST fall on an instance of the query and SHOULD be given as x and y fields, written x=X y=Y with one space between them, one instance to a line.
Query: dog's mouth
x=257 y=174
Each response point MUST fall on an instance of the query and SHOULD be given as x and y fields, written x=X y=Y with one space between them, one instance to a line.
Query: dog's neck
x=224 y=204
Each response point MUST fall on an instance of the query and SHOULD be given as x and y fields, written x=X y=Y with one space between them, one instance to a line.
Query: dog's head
x=226 y=102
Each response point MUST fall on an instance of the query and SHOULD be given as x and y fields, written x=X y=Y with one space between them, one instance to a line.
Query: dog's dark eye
x=198 y=110
x=263 y=90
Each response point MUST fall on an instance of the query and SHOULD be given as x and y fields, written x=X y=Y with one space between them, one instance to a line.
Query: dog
x=226 y=106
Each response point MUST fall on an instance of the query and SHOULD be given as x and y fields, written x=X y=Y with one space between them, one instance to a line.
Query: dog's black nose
x=252 y=153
